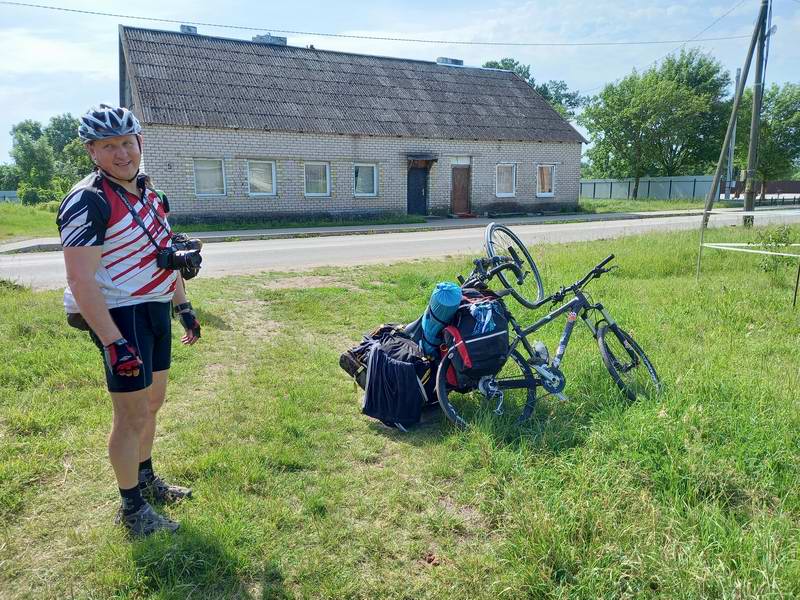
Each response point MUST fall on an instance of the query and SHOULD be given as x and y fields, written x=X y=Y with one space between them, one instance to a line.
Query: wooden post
x=737 y=100
x=755 y=124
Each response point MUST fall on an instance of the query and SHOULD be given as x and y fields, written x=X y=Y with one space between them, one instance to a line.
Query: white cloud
x=43 y=53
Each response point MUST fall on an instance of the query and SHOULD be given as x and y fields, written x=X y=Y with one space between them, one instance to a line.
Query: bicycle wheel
x=502 y=243
x=627 y=363
x=515 y=381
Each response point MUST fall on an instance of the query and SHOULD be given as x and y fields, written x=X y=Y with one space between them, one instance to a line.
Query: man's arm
x=82 y=263
x=186 y=313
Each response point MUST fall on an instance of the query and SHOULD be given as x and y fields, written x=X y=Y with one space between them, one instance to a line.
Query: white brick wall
x=169 y=154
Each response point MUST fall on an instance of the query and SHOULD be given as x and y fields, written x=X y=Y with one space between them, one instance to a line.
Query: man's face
x=118 y=156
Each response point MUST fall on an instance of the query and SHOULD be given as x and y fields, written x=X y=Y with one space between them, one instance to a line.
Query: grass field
x=644 y=205
x=695 y=494
x=19 y=222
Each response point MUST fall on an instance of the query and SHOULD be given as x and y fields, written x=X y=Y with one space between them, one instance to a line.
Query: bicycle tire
x=619 y=370
x=445 y=393
x=500 y=241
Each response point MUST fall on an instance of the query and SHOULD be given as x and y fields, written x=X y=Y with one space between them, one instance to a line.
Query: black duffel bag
x=396 y=376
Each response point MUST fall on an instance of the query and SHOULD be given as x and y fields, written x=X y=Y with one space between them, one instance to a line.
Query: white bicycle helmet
x=107 y=121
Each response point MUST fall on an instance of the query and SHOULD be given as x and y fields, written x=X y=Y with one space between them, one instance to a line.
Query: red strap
x=459 y=345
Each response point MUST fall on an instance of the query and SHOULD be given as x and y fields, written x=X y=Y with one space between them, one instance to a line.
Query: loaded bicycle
x=529 y=366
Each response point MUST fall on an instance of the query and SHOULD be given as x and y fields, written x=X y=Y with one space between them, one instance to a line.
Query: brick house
x=235 y=128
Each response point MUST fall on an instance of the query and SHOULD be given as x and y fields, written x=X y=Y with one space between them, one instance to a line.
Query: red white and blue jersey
x=93 y=214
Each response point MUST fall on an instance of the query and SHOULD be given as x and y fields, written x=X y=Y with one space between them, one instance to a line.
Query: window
x=261 y=177
x=544 y=180
x=506 y=181
x=318 y=179
x=365 y=180
x=209 y=177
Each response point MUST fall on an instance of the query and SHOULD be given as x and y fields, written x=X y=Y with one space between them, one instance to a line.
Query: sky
x=55 y=62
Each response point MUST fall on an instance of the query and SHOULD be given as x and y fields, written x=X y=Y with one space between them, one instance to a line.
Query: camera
x=183 y=256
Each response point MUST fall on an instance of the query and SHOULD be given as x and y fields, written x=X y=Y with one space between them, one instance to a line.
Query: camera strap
x=138 y=219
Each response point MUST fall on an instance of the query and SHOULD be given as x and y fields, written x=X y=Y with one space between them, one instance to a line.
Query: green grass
x=588 y=205
x=692 y=495
x=286 y=223
x=20 y=222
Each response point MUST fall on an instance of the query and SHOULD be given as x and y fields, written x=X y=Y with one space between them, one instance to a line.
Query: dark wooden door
x=417 y=191
x=459 y=195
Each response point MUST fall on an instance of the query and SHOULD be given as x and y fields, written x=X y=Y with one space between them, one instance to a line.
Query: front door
x=459 y=194
x=417 y=191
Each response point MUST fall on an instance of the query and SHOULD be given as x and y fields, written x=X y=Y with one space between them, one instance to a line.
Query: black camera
x=183 y=256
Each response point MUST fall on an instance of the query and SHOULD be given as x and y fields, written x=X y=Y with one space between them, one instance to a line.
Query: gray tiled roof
x=202 y=81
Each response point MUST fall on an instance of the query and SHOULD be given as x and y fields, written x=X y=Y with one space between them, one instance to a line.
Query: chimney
x=270 y=39
x=453 y=62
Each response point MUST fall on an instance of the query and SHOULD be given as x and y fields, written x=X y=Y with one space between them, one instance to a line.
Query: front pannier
x=477 y=339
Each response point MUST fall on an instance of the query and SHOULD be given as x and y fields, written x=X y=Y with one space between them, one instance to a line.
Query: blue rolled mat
x=441 y=308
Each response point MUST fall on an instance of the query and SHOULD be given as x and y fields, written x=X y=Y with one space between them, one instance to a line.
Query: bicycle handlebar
x=596 y=271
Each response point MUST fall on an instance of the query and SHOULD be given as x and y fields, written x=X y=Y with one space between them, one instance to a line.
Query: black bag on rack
x=477 y=338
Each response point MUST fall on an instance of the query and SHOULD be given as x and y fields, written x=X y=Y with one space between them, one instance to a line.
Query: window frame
x=274 y=192
x=374 y=166
x=552 y=180
x=513 y=193
x=224 y=177
x=308 y=194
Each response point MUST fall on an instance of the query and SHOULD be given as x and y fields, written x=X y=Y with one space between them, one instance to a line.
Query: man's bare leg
x=130 y=420
x=155 y=400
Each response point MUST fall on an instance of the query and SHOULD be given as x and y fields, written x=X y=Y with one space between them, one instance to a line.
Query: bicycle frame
x=578 y=306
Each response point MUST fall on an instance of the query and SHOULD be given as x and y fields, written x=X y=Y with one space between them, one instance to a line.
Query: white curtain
x=261 y=178
x=364 y=176
x=208 y=177
x=505 y=179
x=317 y=179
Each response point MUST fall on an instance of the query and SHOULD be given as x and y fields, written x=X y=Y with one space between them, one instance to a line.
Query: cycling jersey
x=93 y=214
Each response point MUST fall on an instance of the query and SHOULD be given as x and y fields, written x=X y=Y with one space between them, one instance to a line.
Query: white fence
x=661 y=188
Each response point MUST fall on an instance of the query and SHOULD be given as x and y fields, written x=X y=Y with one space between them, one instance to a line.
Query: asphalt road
x=45 y=270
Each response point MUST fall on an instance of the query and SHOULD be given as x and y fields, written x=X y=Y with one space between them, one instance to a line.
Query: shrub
x=775 y=239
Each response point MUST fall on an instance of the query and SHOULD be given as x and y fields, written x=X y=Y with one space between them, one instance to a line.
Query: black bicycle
x=515 y=385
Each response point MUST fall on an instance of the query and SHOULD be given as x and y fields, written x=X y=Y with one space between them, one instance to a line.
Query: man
x=111 y=230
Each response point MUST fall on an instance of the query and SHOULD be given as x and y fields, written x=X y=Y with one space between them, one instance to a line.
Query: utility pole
x=731 y=146
x=755 y=122
x=713 y=191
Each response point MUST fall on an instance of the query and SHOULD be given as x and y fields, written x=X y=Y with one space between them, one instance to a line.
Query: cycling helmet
x=107 y=121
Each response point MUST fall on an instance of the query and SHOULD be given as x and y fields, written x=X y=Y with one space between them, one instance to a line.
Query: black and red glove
x=189 y=321
x=122 y=358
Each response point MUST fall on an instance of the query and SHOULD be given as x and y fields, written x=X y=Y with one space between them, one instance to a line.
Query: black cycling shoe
x=158 y=490
x=145 y=521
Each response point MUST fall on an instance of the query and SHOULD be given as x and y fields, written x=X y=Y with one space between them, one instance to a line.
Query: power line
x=369 y=37
x=693 y=39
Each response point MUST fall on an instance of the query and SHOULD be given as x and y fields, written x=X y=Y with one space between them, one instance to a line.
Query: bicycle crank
x=553 y=379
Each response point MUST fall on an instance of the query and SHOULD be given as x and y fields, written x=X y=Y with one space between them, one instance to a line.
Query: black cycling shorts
x=148 y=327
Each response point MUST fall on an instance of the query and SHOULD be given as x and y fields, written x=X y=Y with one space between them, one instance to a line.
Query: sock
x=131 y=500
x=146 y=471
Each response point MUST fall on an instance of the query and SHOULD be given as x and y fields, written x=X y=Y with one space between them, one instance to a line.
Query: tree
x=779 y=139
x=28 y=127
x=565 y=101
x=74 y=162
x=32 y=154
x=617 y=120
x=703 y=76
x=677 y=113
x=9 y=177
x=61 y=130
